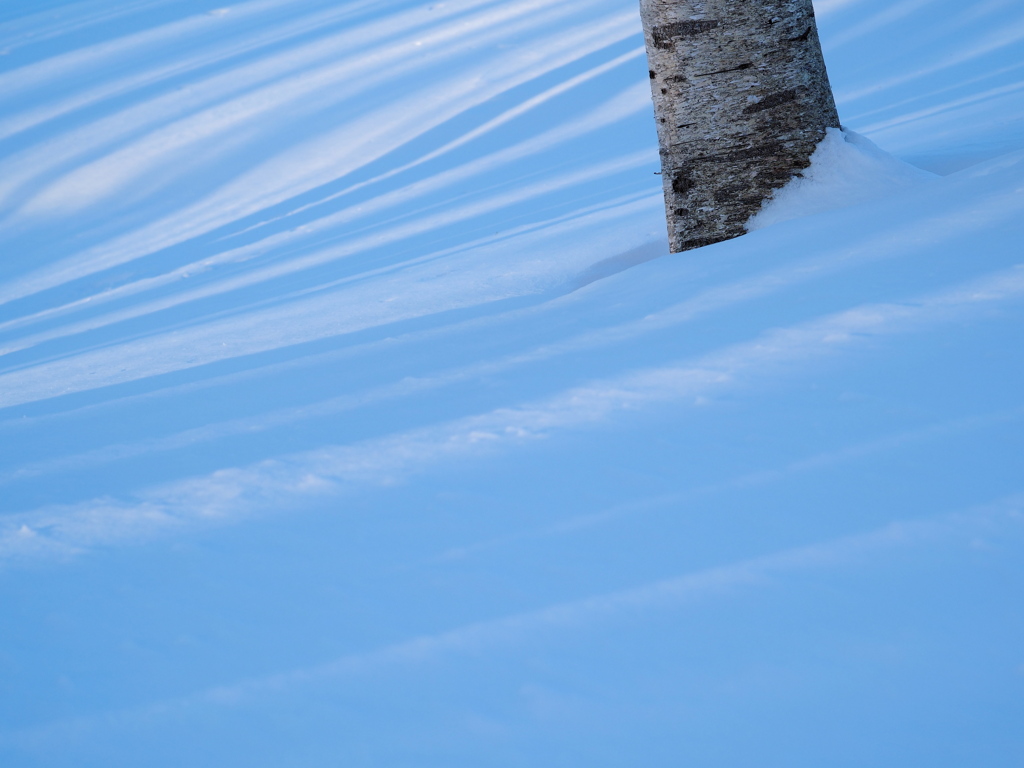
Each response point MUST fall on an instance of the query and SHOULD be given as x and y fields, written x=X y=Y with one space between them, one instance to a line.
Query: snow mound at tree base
x=846 y=169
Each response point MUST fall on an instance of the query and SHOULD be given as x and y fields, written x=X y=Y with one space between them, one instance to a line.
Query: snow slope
x=352 y=412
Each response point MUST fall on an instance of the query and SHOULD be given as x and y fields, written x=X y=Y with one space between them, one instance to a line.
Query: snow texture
x=352 y=411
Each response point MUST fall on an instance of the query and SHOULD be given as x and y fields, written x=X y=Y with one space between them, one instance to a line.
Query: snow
x=846 y=169
x=353 y=412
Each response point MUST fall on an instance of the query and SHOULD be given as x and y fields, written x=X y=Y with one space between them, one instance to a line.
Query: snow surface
x=353 y=413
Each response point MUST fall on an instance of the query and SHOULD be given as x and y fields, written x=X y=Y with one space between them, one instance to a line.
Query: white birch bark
x=741 y=98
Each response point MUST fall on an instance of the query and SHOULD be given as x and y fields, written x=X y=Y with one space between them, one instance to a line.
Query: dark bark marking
x=769 y=102
x=682 y=183
x=700 y=242
x=651 y=73
x=750 y=153
x=803 y=38
x=665 y=36
x=748 y=65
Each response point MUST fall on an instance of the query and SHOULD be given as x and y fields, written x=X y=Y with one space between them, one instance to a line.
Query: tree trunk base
x=741 y=98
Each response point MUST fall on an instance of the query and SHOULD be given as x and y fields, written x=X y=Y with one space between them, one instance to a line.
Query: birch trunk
x=741 y=99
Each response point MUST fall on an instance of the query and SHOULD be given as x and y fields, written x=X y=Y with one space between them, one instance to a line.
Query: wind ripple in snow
x=260 y=164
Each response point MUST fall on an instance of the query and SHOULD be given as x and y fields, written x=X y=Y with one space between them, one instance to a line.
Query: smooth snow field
x=352 y=412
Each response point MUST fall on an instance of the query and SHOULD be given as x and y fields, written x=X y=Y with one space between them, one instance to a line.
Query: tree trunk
x=741 y=98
